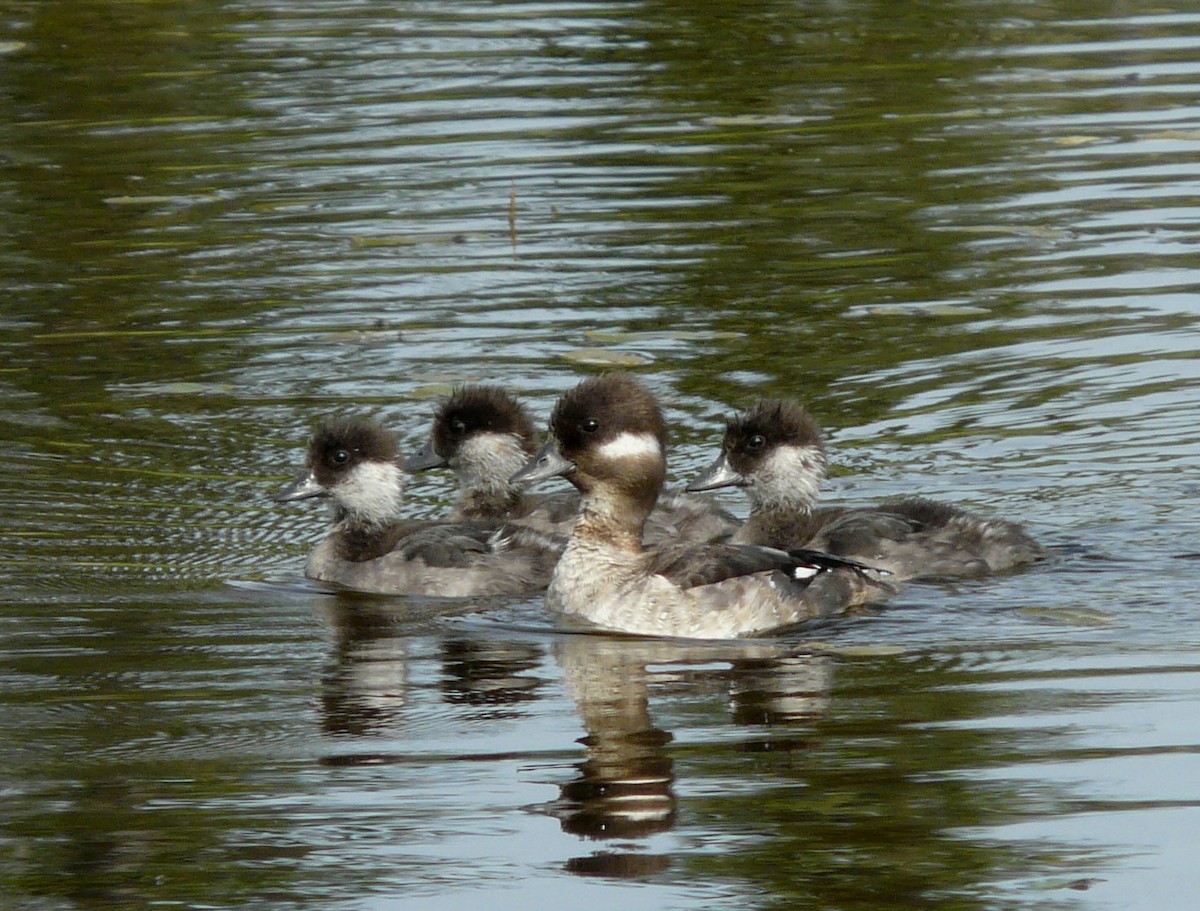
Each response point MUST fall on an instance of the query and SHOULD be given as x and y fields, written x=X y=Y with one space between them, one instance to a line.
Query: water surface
x=963 y=233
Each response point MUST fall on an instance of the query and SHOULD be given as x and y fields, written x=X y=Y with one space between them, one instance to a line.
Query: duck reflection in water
x=490 y=674
x=780 y=690
x=624 y=788
x=365 y=689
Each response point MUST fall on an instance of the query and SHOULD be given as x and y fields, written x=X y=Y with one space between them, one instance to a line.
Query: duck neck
x=782 y=506
x=483 y=467
x=612 y=519
x=777 y=527
x=357 y=544
x=369 y=500
x=488 y=505
x=366 y=506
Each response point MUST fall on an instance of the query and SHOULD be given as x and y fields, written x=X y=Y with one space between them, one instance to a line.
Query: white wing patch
x=631 y=445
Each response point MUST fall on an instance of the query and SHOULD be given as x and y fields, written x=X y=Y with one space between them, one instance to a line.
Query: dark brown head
x=751 y=437
x=340 y=444
x=471 y=411
x=484 y=435
x=775 y=451
x=355 y=461
x=606 y=434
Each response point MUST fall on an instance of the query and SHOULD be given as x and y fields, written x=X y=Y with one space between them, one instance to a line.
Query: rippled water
x=963 y=233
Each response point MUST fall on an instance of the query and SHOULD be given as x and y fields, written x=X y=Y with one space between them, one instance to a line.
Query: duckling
x=356 y=464
x=775 y=452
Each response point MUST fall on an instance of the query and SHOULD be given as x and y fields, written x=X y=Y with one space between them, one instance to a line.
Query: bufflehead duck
x=485 y=435
x=608 y=440
x=356 y=463
x=775 y=452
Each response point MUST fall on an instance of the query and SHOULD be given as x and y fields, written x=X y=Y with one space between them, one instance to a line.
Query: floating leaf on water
x=976 y=229
x=176 y=74
x=705 y=335
x=1072 y=141
x=358 y=335
x=186 y=388
x=754 y=120
x=33 y=419
x=609 y=336
x=1042 y=231
x=943 y=308
x=875 y=310
x=617 y=337
x=187 y=333
x=430 y=391
x=183 y=387
x=599 y=357
x=150 y=200
x=1063 y=882
x=385 y=240
x=442 y=377
x=1174 y=134
x=66 y=444
x=948 y=309
x=409 y=240
x=1070 y=616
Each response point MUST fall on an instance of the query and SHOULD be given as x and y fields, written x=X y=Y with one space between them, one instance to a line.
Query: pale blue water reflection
x=962 y=232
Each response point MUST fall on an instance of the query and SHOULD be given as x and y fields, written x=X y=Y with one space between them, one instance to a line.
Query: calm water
x=965 y=233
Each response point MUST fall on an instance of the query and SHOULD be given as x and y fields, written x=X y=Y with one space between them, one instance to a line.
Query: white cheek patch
x=488 y=460
x=373 y=492
x=631 y=445
x=791 y=476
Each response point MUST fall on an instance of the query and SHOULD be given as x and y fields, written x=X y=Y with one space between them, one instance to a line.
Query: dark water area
x=963 y=233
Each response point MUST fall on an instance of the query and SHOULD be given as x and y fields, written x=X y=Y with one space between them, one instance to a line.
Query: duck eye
x=758 y=441
x=458 y=427
x=591 y=425
x=341 y=457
